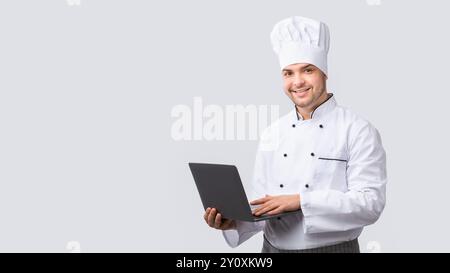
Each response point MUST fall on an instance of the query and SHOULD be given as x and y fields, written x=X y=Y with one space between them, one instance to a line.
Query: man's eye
x=286 y=74
x=308 y=70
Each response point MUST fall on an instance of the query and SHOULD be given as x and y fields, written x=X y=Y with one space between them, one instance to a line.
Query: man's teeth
x=300 y=91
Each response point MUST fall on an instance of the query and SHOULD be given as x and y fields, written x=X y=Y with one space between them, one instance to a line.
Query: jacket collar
x=322 y=109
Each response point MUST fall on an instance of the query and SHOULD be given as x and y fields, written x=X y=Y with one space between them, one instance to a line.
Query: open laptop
x=220 y=187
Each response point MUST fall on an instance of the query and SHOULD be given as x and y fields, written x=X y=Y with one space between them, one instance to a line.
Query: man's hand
x=276 y=204
x=214 y=220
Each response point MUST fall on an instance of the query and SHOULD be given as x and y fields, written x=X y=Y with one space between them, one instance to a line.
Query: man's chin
x=302 y=103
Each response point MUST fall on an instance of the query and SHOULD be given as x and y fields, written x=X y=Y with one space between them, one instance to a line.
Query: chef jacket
x=337 y=164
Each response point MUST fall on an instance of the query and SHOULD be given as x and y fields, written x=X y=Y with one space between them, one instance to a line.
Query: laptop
x=220 y=187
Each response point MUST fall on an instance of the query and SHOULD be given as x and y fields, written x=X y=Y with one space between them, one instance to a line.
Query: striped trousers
x=345 y=247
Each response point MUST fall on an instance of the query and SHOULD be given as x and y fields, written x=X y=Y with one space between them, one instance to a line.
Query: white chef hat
x=301 y=40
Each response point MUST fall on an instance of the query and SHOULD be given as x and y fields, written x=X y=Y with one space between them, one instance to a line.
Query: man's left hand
x=276 y=204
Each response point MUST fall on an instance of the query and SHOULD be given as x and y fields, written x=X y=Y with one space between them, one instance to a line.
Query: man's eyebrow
x=303 y=67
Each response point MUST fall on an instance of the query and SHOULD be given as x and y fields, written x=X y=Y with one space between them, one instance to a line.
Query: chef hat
x=301 y=40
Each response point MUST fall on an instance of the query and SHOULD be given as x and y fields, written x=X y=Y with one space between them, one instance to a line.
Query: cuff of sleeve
x=231 y=237
x=243 y=231
x=305 y=205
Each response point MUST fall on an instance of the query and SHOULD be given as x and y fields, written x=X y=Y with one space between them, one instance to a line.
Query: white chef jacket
x=337 y=164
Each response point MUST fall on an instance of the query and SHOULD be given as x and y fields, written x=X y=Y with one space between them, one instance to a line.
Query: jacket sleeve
x=245 y=230
x=362 y=204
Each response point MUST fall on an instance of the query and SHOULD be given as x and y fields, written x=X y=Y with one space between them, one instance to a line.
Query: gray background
x=86 y=93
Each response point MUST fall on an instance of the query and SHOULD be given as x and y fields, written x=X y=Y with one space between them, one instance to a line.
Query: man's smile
x=301 y=92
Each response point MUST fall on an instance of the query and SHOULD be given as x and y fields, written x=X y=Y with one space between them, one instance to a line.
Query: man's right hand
x=215 y=220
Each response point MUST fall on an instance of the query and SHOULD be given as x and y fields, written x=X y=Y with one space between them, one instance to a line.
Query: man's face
x=304 y=84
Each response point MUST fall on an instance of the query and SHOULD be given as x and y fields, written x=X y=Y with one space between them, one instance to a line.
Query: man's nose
x=298 y=81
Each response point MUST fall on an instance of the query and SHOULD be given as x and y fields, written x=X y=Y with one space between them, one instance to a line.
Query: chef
x=320 y=158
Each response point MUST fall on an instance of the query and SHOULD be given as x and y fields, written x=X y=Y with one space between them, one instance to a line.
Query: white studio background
x=87 y=159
